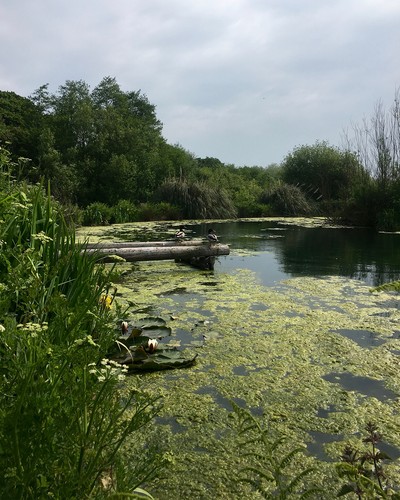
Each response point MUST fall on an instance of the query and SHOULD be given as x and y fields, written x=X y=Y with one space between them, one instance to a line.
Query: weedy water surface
x=296 y=354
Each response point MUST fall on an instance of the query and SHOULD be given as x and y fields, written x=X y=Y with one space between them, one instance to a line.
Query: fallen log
x=177 y=252
x=142 y=244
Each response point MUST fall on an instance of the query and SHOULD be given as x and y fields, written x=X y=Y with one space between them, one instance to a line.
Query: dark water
x=284 y=251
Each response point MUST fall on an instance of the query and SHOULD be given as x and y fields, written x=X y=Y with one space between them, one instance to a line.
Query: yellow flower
x=106 y=301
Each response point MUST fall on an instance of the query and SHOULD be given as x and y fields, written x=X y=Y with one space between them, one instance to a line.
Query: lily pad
x=155 y=332
x=150 y=322
x=162 y=359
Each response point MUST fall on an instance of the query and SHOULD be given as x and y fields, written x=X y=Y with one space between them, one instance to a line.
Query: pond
x=287 y=327
x=279 y=250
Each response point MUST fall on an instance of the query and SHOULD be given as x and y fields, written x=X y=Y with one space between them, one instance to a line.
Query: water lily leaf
x=134 y=332
x=156 y=332
x=150 y=322
x=161 y=360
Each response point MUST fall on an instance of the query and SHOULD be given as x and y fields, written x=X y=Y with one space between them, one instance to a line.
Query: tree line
x=106 y=158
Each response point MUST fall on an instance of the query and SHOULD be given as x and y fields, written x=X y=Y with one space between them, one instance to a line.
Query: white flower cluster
x=33 y=328
x=108 y=369
x=43 y=237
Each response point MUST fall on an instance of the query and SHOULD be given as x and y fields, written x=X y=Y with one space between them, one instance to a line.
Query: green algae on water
x=273 y=360
x=284 y=352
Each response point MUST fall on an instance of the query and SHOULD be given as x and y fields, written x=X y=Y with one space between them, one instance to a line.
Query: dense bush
x=97 y=214
x=287 y=200
x=158 y=211
x=63 y=419
x=124 y=211
x=197 y=199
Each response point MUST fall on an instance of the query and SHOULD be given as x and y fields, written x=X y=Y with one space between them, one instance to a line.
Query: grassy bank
x=63 y=418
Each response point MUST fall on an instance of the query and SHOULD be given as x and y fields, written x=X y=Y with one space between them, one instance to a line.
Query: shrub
x=124 y=211
x=158 y=211
x=287 y=200
x=63 y=416
x=197 y=200
x=97 y=214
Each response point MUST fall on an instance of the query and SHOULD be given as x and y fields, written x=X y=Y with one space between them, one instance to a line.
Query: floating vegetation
x=140 y=349
x=297 y=353
x=275 y=349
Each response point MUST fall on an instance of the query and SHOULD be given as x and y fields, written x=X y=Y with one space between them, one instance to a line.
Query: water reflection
x=284 y=251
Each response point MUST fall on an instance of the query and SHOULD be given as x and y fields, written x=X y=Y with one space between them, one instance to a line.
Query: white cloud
x=241 y=80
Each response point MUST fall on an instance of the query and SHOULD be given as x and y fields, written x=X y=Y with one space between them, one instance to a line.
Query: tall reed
x=63 y=415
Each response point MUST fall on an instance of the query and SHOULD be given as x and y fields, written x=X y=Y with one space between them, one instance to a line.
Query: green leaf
x=160 y=360
x=158 y=332
x=152 y=321
x=345 y=489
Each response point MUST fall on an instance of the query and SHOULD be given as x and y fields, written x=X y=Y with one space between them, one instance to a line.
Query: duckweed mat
x=315 y=358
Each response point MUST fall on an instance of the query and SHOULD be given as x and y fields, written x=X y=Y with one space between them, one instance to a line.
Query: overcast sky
x=245 y=81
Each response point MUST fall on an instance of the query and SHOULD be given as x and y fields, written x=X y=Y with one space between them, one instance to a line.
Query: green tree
x=20 y=124
x=322 y=170
x=94 y=137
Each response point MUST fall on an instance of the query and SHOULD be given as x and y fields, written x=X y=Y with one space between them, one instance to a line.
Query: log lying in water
x=142 y=244
x=177 y=251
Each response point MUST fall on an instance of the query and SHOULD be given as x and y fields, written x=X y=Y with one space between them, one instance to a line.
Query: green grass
x=64 y=413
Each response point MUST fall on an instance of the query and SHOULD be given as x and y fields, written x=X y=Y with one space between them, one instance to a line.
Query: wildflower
x=85 y=340
x=42 y=237
x=106 y=301
x=152 y=345
x=124 y=327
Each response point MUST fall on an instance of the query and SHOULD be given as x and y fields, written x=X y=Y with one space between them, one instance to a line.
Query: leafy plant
x=124 y=211
x=97 y=214
x=64 y=416
x=364 y=469
x=270 y=468
x=197 y=199
x=286 y=199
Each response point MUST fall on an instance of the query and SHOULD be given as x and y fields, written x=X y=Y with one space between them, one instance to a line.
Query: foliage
x=364 y=470
x=322 y=169
x=100 y=214
x=97 y=214
x=286 y=199
x=124 y=211
x=269 y=468
x=63 y=415
x=105 y=145
x=97 y=136
x=158 y=211
x=197 y=199
x=19 y=125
